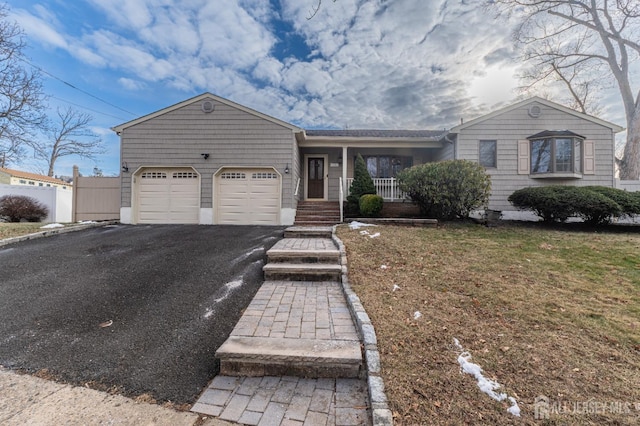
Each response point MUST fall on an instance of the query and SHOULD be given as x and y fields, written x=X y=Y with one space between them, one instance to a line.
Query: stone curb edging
x=381 y=414
x=56 y=231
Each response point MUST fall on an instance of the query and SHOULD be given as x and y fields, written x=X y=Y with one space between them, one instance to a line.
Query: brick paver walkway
x=286 y=401
x=307 y=310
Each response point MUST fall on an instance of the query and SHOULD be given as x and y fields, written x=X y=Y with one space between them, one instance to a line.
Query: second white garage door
x=169 y=195
x=247 y=197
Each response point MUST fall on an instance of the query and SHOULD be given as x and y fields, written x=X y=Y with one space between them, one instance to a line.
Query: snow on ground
x=228 y=288
x=357 y=225
x=487 y=386
x=52 y=225
x=396 y=287
x=86 y=222
x=416 y=315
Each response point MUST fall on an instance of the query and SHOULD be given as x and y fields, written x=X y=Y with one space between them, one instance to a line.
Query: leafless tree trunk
x=570 y=40
x=71 y=135
x=21 y=98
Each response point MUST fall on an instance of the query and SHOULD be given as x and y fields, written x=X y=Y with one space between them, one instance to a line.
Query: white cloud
x=130 y=84
x=38 y=28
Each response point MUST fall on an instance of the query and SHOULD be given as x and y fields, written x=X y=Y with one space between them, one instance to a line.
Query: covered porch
x=327 y=158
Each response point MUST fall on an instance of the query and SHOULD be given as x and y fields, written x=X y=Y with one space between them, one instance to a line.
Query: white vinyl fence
x=57 y=200
x=628 y=185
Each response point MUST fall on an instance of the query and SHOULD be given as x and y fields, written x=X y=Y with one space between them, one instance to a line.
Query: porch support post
x=344 y=170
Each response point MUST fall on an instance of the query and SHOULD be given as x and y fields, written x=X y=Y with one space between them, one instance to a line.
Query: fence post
x=74 y=195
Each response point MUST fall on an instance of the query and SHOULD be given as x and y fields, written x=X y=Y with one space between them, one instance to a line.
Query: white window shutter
x=588 y=158
x=523 y=157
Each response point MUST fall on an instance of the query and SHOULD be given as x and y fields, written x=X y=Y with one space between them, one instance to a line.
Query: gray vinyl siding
x=447 y=152
x=516 y=125
x=230 y=136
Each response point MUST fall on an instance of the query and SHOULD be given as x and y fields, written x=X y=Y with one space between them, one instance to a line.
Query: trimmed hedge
x=15 y=208
x=371 y=205
x=446 y=190
x=594 y=204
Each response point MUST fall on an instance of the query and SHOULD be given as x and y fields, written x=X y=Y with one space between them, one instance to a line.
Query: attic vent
x=207 y=106
x=534 y=111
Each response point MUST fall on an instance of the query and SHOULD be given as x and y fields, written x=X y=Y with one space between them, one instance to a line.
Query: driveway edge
x=381 y=414
x=56 y=231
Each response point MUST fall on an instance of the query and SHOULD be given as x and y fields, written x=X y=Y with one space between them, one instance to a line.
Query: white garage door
x=248 y=197
x=168 y=196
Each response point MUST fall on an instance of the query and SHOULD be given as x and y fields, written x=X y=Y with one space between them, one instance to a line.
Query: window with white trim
x=559 y=152
x=488 y=153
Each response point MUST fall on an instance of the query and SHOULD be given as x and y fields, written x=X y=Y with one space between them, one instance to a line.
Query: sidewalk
x=28 y=400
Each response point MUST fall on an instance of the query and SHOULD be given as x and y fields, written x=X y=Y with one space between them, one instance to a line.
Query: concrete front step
x=303 y=256
x=302 y=272
x=308 y=232
x=312 y=358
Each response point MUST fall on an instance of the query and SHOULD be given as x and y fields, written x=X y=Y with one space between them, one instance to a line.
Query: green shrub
x=446 y=190
x=371 y=205
x=557 y=203
x=362 y=184
x=629 y=202
x=15 y=208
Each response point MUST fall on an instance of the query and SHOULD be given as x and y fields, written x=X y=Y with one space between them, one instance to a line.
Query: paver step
x=313 y=358
x=303 y=256
x=316 y=223
x=302 y=272
x=308 y=232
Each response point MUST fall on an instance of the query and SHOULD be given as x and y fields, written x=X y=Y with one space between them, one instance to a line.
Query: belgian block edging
x=380 y=412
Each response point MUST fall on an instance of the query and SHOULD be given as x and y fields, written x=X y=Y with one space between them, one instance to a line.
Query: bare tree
x=71 y=135
x=315 y=9
x=21 y=97
x=575 y=42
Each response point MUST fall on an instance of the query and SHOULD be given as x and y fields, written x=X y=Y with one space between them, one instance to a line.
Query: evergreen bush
x=362 y=184
x=446 y=190
x=594 y=204
x=371 y=205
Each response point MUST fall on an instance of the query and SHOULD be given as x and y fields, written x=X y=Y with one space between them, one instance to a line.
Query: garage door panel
x=168 y=196
x=248 y=196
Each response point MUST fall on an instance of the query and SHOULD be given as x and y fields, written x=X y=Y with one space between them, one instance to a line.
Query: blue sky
x=411 y=64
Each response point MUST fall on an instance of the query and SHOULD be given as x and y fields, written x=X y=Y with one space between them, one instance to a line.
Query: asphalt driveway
x=172 y=292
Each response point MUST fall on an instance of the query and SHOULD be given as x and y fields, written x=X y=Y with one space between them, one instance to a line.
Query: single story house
x=208 y=160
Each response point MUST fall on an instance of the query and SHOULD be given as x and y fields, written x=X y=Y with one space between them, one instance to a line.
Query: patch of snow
x=86 y=222
x=357 y=225
x=377 y=234
x=396 y=287
x=228 y=288
x=383 y=266
x=487 y=386
x=416 y=315
x=52 y=225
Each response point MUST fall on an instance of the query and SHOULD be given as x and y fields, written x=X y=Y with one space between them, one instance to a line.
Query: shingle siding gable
x=230 y=136
x=515 y=125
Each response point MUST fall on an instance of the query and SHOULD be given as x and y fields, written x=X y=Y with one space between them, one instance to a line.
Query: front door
x=315 y=177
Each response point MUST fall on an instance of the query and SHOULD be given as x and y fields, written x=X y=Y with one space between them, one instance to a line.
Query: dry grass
x=10 y=230
x=543 y=312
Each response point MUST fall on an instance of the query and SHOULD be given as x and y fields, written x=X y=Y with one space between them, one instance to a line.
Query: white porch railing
x=387 y=188
x=341 y=202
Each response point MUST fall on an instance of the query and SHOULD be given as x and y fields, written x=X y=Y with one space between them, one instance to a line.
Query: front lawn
x=545 y=313
x=10 y=230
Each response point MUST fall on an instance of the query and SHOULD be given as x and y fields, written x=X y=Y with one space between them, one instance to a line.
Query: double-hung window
x=488 y=153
